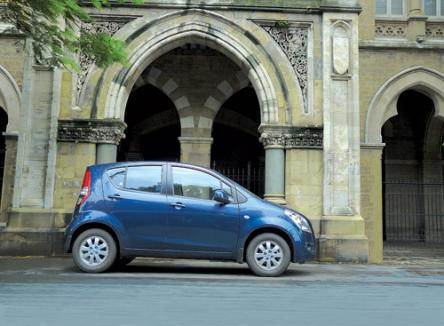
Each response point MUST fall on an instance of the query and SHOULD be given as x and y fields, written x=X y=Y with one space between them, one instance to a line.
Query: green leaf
x=54 y=42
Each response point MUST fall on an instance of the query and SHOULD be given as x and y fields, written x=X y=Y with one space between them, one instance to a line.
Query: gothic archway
x=384 y=104
x=10 y=106
x=413 y=182
x=383 y=107
x=271 y=76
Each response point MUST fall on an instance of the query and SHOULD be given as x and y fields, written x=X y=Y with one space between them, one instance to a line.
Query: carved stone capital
x=272 y=137
x=291 y=137
x=107 y=131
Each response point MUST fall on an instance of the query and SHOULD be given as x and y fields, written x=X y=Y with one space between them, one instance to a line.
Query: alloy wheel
x=93 y=251
x=268 y=255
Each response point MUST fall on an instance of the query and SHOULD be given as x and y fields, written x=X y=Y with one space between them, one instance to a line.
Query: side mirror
x=221 y=196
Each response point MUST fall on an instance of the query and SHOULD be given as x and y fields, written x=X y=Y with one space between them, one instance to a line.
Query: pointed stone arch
x=383 y=105
x=247 y=45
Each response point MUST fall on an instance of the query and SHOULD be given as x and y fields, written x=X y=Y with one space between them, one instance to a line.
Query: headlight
x=299 y=220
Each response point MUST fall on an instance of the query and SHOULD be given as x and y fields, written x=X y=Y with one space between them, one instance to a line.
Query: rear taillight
x=86 y=188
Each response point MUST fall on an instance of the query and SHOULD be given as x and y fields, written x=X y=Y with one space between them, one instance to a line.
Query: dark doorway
x=413 y=205
x=236 y=150
x=153 y=127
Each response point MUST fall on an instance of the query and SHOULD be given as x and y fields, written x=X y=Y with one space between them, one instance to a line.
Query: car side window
x=144 y=178
x=193 y=183
x=117 y=177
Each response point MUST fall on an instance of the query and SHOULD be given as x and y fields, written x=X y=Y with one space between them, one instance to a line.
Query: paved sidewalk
x=51 y=270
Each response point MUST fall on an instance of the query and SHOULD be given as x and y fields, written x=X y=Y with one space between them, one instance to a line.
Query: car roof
x=127 y=163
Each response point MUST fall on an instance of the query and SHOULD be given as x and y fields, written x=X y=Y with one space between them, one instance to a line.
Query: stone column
x=106 y=133
x=342 y=227
x=37 y=145
x=106 y=153
x=273 y=139
x=196 y=150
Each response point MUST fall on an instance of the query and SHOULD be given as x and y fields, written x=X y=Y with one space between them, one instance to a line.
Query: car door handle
x=115 y=196
x=177 y=205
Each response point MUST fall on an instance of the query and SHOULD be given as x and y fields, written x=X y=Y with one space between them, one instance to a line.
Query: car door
x=136 y=197
x=197 y=223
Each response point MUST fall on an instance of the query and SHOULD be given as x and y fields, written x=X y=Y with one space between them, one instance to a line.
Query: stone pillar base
x=33 y=232
x=343 y=239
x=278 y=199
x=26 y=242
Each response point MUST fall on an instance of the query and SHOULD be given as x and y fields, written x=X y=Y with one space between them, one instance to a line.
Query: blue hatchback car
x=165 y=209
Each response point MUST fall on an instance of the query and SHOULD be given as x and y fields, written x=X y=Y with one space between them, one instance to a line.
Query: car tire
x=94 y=251
x=268 y=255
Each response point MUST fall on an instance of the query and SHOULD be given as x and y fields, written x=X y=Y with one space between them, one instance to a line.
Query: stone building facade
x=301 y=90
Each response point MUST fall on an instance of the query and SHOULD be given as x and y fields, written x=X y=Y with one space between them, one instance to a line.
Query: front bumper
x=305 y=248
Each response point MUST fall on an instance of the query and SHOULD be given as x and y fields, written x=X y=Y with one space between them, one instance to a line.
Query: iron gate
x=414 y=211
x=250 y=176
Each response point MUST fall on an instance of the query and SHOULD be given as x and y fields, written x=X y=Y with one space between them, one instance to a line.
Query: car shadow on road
x=167 y=269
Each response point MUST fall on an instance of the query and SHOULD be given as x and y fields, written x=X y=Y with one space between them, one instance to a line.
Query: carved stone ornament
x=292 y=137
x=109 y=27
x=304 y=138
x=272 y=139
x=91 y=131
x=341 y=50
x=293 y=41
x=435 y=31
x=384 y=29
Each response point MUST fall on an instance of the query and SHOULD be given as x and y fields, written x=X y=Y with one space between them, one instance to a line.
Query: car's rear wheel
x=94 y=251
x=268 y=254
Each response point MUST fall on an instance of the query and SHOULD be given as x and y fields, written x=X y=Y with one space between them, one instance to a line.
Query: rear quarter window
x=117 y=177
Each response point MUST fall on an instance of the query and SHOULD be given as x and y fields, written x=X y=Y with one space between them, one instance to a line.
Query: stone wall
x=371 y=200
x=72 y=159
x=303 y=183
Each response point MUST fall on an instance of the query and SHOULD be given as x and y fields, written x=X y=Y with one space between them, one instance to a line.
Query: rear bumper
x=67 y=237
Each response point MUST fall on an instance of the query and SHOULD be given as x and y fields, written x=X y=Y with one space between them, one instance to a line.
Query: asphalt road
x=37 y=291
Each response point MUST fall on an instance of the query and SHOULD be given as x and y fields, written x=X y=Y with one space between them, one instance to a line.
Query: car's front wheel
x=94 y=251
x=268 y=254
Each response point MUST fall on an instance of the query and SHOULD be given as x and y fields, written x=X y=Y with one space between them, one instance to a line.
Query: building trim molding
x=290 y=137
x=104 y=131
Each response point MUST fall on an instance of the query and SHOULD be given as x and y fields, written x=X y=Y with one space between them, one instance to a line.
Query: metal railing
x=414 y=211
x=250 y=176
